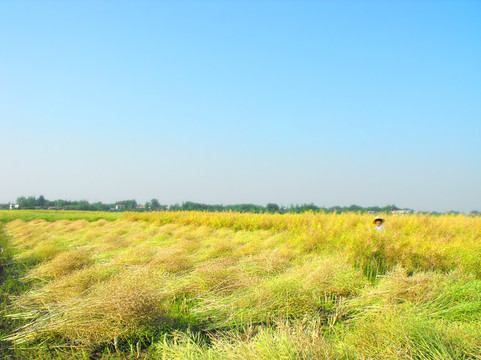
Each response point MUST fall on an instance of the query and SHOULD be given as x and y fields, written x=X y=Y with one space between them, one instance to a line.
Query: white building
x=401 y=212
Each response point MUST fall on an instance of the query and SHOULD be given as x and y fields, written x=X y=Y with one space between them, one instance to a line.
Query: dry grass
x=240 y=286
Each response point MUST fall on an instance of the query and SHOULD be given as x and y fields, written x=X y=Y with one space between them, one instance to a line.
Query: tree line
x=32 y=202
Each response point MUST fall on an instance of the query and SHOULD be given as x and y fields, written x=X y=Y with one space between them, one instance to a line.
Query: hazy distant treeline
x=32 y=202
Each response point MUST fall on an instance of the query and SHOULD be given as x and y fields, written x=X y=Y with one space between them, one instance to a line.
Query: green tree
x=154 y=204
x=272 y=208
x=129 y=204
x=41 y=201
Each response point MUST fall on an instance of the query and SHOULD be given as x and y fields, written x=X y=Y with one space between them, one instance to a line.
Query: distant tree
x=192 y=206
x=41 y=201
x=21 y=201
x=245 y=208
x=309 y=207
x=32 y=202
x=174 y=207
x=272 y=208
x=355 y=208
x=83 y=205
x=128 y=204
x=389 y=208
x=27 y=203
x=154 y=204
x=98 y=206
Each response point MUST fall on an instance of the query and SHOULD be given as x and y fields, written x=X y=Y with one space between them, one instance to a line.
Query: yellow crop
x=195 y=285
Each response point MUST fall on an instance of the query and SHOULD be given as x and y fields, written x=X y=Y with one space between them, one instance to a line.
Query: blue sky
x=334 y=102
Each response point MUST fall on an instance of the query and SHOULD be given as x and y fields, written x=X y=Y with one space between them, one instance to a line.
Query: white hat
x=378 y=218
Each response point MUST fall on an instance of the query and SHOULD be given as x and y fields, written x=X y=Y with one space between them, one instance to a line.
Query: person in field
x=378 y=221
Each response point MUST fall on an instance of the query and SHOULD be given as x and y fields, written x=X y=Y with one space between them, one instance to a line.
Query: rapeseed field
x=195 y=285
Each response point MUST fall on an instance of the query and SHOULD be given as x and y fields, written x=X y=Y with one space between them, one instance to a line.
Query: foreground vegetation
x=194 y=285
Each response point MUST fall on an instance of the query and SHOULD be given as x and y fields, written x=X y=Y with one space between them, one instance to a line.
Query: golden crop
x=195 y=285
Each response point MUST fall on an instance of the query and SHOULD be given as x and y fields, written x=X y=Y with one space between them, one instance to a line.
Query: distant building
x=119 y=207
x=401 y=212
x=14 y=206
x=141 y=207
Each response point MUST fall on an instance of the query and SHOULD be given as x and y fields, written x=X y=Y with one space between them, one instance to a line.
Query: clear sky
x=330 y=102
